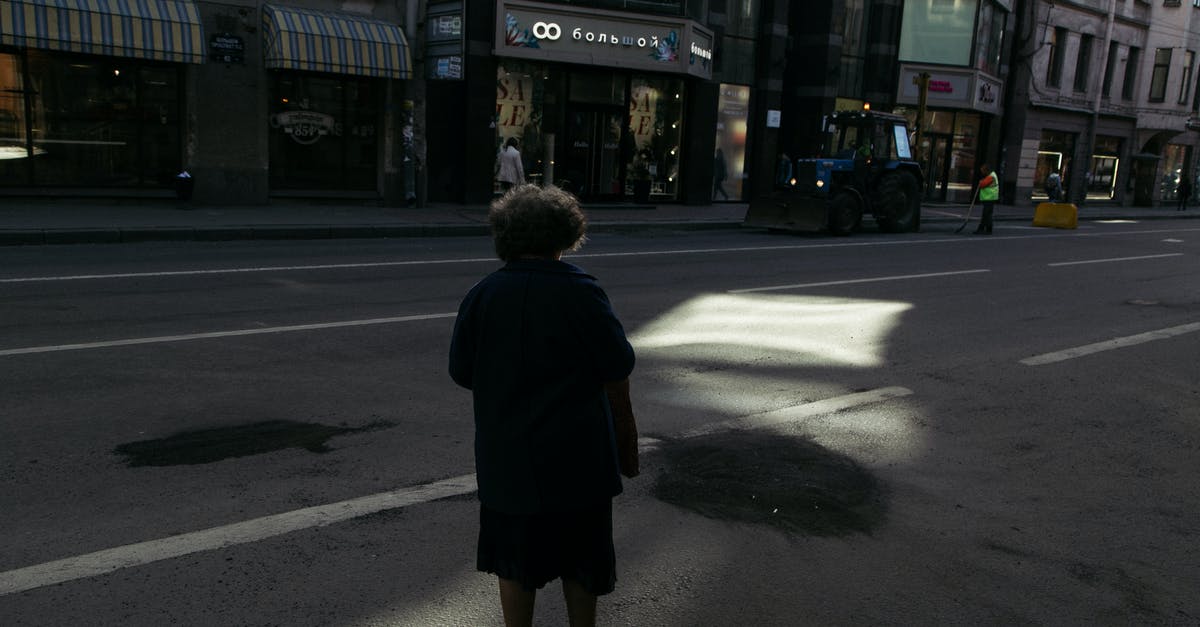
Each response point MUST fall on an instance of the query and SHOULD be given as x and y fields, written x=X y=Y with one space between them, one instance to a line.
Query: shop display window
x=86 y=121
x=1174 y=157
x=324 y=132
x=655 y=127
x=597 y=133
x=521 y=95
x=729 y=163
x=1106 y=163
x=1055 y=152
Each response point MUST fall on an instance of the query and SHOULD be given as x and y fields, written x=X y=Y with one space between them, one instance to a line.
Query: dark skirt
x=536 y=549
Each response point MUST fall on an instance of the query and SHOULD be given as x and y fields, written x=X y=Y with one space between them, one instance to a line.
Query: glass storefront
x=729 y=164
x=1106 y=164
x=1174 y=157
x=324 y=132
x=1055 y=152
x=87 y=121
x=592 y=132
x=949 y=142
x=656 y=123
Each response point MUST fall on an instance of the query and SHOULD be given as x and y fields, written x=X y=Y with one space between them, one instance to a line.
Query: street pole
x=922 y=82
x=1094 y=120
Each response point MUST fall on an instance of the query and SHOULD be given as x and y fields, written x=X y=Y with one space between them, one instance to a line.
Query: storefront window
x=963 y=173
x=96 y=121
x=14 y=144
x=323 y=132
x=1172 y=172
x=1055 y=151
x=1102 y=181
x=733 y=111
x=520 y=113
x=656 y=126
x=949 y=142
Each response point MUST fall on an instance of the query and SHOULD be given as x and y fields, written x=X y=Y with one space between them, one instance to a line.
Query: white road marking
x=777 y=417
x=256 y=529
x=217 y=334
x=1120 y=342
x=1112 y=259
x=253 y=530
x=902 y=277
x=644 y=253
x=165 y=273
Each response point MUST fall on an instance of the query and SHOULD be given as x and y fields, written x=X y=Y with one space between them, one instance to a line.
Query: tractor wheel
x=899 y=203
x=845 y=213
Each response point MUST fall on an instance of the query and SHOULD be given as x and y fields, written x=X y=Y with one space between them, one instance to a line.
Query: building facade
x=252 y=100
x=1106 y=97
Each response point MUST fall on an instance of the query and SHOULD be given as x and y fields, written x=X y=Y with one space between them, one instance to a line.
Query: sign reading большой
x=593 y=37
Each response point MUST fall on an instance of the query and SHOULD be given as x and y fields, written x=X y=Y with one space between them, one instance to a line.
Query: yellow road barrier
x=1057 y=215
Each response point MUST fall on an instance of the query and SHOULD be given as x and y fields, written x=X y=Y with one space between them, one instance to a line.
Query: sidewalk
x=74 y=221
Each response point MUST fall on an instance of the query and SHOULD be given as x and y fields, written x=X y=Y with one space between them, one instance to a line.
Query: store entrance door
x=593 y=157
x=937 y=166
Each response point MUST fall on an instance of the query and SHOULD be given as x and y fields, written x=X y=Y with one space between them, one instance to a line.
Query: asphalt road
x=882 y=429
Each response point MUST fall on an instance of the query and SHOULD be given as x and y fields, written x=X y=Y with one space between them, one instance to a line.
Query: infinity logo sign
x=543 y=30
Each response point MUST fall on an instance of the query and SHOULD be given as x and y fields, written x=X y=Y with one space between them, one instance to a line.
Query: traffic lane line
x=902 y=277
x=215 y=271
x=386 y=264
x=1113 y=259
x=219 y=334
x=1108 y=345
x=256 y=529
x=645 y=253
x=110 y=560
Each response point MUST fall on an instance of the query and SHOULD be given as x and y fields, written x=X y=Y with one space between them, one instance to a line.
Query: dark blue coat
x=535 y=341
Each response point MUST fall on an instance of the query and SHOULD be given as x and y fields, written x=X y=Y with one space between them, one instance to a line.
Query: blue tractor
x=865 y=166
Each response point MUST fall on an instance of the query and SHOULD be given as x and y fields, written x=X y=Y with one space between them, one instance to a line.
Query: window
x=854 y=50
x=741 y=18
x=1158 y=79
x=992 y=20
x=89 y=121
x=1109 y=65
x=667 y=7
x=1189 y=57
x=1130 y=80
x=1054 y=68
x=323 y=133
x=1083 y=62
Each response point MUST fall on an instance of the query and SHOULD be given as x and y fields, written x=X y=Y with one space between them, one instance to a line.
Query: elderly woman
x=541 y=350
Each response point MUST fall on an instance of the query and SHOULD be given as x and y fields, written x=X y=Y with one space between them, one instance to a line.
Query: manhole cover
x=787 y=482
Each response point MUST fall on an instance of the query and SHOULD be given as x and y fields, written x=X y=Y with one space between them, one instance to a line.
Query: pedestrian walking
x=509 y=169
x=720 y=173
x=989 y=193
x=1185 y=192
x=547 y=362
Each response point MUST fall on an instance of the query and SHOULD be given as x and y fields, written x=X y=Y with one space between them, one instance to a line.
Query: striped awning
x=339 y=43
x=163 y=30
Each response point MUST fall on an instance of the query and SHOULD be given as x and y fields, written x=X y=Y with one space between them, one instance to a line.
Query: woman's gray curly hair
x=532 y=221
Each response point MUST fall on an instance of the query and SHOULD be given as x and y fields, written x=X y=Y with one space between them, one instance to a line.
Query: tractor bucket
x=788 y=212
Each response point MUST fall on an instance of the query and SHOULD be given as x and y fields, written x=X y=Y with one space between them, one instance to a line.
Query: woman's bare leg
x=517 y=603
x=581 y=604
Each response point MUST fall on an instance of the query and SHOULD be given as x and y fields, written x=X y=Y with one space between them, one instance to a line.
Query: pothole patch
x=206 y=446
x=786 y=482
